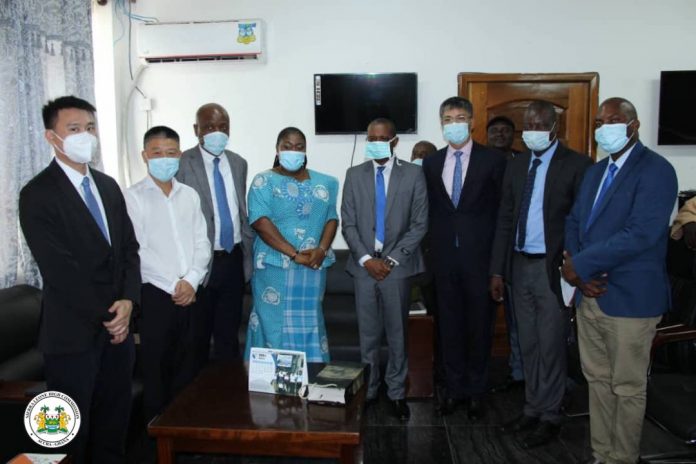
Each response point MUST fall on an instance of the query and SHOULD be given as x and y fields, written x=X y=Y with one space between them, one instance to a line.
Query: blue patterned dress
x=287 y=297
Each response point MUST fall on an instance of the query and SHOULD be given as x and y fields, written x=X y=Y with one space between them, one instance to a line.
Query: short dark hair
x=50 y=110
x=160 y=131
x=500 y=120
x=544 y=108
x=456 y=103
x=285 y=133
x=429 y=146
x=384 y=122
x=626 y=107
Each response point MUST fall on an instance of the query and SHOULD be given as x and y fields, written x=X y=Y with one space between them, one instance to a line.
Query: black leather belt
x=222 y=253
x=532 y=255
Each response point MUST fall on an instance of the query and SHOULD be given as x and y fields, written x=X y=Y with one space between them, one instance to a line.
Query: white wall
x=628 y=42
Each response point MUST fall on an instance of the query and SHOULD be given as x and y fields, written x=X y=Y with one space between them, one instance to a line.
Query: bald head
x=211 y=117
x=622 y=105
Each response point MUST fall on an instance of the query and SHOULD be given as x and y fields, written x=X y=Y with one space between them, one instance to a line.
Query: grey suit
x=221 y=309
x=192 y=173
x=385 y=304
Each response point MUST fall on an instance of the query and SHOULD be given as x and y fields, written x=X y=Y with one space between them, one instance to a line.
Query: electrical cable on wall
x=355 y=141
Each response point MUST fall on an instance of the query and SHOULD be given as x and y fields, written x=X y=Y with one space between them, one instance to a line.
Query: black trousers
x=167 y=348
x=465 y=327
x=99 y=381
x=221 y=311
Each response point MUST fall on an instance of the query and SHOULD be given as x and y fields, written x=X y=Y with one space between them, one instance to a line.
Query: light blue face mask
x=456 y=133
x=291 y=160
x=163 y=169
x=537 y=140
x=418 y=161
x=612 y=138
x=378 y=150
x=215 y=142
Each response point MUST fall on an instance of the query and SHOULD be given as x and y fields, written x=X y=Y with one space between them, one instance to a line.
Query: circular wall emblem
x=52 y=419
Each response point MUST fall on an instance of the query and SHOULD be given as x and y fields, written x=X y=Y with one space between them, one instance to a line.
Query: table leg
x=347 y=454
x=165 y=454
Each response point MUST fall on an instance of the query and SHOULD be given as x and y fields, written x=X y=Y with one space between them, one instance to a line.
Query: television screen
x=346 y=103
x=677 y=125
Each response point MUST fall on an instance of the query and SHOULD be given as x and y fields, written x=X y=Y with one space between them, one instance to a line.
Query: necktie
x=93 y=207
x=380 y=204
x=457 y=179
x=226 y=225
x=602 y=191
x=526 y=202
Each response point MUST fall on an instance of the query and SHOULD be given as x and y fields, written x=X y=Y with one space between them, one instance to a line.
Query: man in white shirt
x=219 y=177
x=174 y=256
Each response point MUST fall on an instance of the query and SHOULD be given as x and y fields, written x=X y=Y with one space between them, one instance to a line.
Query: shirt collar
x=74 y=176
x=466 y=149
x=622 y=159
x=387 y=166
x=207 y=156
x=150 y=184
x=547 y=154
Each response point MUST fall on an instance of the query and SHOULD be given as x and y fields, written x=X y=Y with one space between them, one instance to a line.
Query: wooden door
x=573 y=95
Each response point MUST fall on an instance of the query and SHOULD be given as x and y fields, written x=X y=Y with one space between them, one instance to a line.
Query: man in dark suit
x=464 y=181
x=385 y=215
x=539 y=189
x=76 y=224
x=221 y=184
x=616 y=242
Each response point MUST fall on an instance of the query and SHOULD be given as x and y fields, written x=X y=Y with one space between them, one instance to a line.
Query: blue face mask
x=163 y=169
x=291 y=160
x=418 y=161
x=215 y=142
x=612 y=138
x=378 y=150
x=537 y=140
x=456 y=133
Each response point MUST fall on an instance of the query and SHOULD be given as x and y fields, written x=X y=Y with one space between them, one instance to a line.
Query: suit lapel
x=238 y=182
x=75 y=203
x=439 y=166
x=108 y=211
x=198 y=169
x=624 y=172
x=552 y=175
x=472 y=172
x=393 y=188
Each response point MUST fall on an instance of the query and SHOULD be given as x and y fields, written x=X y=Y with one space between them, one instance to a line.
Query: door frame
x=592 y=78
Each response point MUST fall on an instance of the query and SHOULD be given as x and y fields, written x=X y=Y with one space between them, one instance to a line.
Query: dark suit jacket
x=563 y=179
x=82 y=274
x=473 y=221
x=406 y=217
x=628 y=237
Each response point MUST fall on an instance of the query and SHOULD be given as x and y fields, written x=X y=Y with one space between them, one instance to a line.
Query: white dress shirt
x=230 y=190
x=75 y=178
x=387 y=175
x=172 y=234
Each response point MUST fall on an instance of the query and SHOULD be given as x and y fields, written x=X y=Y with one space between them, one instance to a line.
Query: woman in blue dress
x=293 y=211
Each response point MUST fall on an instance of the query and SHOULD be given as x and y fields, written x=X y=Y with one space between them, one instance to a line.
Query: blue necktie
x=526 y=202
x=457 y=179
x=602 y=191
x=93 y=207
x=380 y=205
x=226 y=225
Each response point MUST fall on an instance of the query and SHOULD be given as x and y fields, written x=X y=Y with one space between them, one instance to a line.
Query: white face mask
x=80 y=148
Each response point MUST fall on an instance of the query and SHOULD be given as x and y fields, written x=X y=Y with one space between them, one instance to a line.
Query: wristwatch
x=389 y=262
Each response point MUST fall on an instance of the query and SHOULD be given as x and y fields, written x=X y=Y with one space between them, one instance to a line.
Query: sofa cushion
x=20 y=312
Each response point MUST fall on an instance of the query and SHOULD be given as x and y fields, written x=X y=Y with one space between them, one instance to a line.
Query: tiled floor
x=430 y=438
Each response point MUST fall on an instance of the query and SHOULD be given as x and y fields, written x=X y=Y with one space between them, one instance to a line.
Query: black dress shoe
x=448 y=405
x=543 y=433
x=476 y=409
x=509 y=384
x=400 y=410
x=520 y=424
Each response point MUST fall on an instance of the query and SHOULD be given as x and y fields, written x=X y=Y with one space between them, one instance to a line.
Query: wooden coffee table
x=217 y=414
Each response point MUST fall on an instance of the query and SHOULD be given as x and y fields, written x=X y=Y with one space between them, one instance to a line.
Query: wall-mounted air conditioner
x=201 y=41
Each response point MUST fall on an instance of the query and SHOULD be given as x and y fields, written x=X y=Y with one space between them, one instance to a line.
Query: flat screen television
x=346 y=103
x=677 y=125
